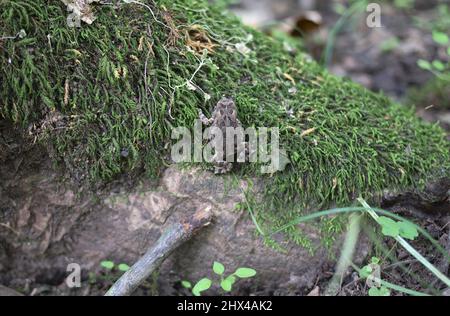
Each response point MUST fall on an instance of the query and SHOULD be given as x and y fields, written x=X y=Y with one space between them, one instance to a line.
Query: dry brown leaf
x=307 y=132
x=197 y=39
x=289 y=77
x=66 y=92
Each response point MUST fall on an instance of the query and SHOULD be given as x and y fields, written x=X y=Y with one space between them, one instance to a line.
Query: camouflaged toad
x=223 y=116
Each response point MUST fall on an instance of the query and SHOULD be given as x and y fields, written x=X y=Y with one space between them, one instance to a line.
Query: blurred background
x=407 y=58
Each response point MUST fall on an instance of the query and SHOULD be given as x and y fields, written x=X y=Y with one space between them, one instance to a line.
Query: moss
x=118 y=85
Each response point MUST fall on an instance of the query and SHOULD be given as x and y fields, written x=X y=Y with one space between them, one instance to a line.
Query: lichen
x=120 y=84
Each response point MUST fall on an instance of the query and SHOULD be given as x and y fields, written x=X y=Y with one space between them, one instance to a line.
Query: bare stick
x=172 y=238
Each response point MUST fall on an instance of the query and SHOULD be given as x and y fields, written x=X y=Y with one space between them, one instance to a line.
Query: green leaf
x=389 y=226
x=218 y=268
x=201 y=286
x=232 y=278
x=448 y=51
x=186 y=284
x=107 y=264
x=382 y=291
x=408 y=230
x=226 y=285
x=424 y=64
x=440 y=38
x=375 y=260
x=438 y=65
x=123 y=267
x=228 y=282
x=373 y=291
x=245 y=273
x=365 y=272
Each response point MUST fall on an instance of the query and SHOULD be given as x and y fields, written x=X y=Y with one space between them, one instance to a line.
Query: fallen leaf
x=66 y=92
x=307 y=132
x=289 y=77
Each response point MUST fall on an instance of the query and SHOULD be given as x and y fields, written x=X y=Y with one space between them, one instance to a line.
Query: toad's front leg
x=204 y=119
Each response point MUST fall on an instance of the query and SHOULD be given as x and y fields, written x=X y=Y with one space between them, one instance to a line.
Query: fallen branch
x=172 y=238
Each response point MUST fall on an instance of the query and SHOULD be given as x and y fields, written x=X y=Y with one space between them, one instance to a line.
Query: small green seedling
x=226 y=282
x=113 y=271
x=439 y=68
x=371 y=272
x=392 y=228
x=381 y=291
x=110 y=265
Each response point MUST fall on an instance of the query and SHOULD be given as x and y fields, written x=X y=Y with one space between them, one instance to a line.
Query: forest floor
x=383 y=60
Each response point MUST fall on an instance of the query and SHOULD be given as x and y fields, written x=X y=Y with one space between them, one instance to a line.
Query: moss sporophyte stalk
x=123 y=82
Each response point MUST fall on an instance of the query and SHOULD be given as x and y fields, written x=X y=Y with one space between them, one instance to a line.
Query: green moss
x=127 y=75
